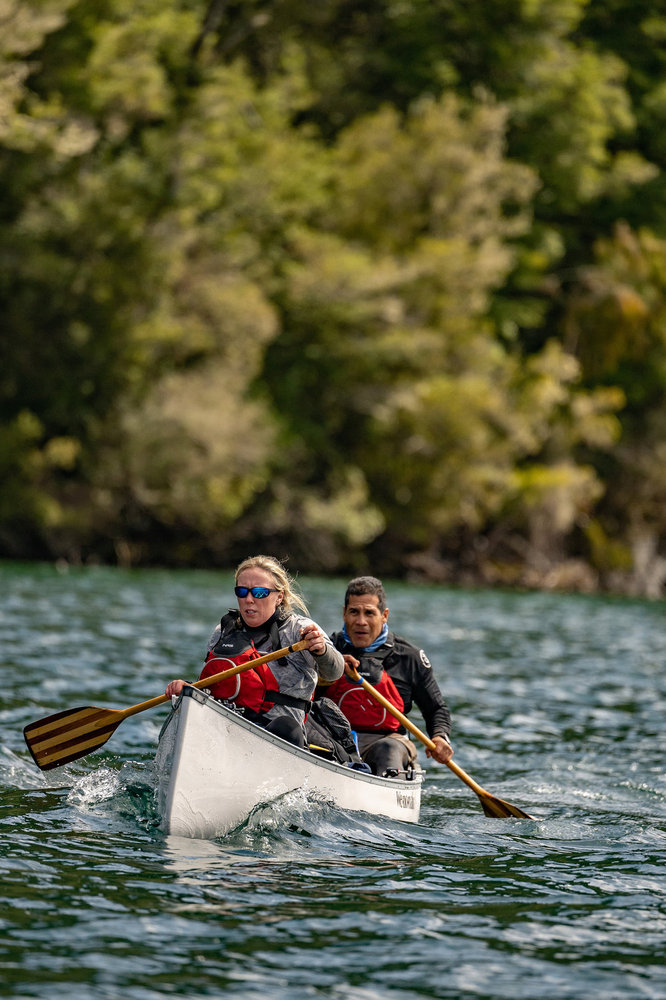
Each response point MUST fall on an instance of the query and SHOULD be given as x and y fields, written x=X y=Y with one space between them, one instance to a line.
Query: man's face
x=363 y=619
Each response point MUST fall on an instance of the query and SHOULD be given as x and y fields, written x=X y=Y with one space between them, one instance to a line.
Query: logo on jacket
x=424 y=659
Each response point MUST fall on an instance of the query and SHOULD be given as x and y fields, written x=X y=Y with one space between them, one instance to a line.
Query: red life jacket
x=365 y=714
x=247 y=689
x=256 y=688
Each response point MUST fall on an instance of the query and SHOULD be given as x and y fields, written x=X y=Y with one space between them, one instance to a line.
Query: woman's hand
x=315 y=639
x=174 y=688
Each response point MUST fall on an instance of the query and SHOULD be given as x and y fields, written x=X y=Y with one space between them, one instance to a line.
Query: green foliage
x=26 y=507
x=617 y=313
x=573 y=104
x=332 y=279
x=617 y=325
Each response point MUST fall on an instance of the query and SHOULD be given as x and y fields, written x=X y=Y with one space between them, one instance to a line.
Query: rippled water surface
x=559 y=706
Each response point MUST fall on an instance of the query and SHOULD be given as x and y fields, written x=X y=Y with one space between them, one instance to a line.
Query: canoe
x=213 y=768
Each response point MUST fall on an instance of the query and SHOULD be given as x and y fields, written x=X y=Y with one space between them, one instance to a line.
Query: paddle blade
x=67 y=736
x=493 y=806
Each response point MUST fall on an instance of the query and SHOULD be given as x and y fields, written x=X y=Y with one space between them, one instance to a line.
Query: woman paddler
x=276 y=695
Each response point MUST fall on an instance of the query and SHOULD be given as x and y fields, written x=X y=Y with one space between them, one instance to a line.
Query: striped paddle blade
x=66 y=736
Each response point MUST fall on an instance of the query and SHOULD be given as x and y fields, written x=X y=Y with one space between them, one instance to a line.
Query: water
x=558 y=705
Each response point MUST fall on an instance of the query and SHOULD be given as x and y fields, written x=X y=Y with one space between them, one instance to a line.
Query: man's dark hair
x=366 y=585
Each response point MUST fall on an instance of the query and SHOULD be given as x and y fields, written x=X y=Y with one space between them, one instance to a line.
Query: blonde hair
x=291 y=598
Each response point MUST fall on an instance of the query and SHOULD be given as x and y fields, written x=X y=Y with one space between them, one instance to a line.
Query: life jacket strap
x=278 y=698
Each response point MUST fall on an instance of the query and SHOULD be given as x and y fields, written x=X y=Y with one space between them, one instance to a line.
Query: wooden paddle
x=67 y=736
x=491 y=805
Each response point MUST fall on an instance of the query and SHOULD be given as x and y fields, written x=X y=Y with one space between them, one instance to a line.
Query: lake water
x=559 y=706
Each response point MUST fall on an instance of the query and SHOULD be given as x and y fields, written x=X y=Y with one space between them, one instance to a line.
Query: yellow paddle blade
x=492 y=806
x=66 y=736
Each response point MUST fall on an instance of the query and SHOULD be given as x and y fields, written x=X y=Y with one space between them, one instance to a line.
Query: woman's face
x=257 y=610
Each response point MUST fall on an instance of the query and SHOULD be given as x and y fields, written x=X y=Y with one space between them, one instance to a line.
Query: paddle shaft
x=481 y=792
x=408 y=724
x=76 y=732
x=217 y=678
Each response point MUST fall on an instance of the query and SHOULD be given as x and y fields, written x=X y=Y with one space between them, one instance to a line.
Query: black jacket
x=411 y=672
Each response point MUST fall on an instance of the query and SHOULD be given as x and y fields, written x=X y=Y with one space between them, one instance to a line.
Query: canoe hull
x=213 y=768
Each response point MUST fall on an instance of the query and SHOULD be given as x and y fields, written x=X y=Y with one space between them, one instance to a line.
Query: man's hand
x=174 y=688
x=443 y=751
x=351 y=665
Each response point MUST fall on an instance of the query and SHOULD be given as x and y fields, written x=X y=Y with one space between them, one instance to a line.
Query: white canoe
x=213 y=767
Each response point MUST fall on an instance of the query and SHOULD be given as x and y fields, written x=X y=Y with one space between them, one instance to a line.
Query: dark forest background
x=371 y=284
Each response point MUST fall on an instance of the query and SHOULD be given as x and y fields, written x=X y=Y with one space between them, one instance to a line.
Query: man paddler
x=400 y=671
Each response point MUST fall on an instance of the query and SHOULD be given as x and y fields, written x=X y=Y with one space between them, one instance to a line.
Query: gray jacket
x=299 y=675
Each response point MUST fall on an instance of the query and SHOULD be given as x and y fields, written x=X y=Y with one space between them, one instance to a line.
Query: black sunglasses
x=258 y=592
